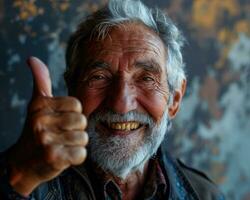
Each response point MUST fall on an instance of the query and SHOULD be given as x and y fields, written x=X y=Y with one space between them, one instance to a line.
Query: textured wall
x=212 y=130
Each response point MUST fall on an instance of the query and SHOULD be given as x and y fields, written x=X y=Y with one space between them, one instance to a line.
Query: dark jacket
x=184 y=184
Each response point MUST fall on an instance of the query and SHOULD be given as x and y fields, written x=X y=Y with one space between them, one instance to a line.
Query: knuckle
x=77 y=138
x=37 y=123
x=44 y=138
x=83 y=154
x=75 y=119
x=68 y=118
x=37 y=104
x=83 y=120
x=71 y=136
x=78 y=155
x=85 y=138
x=81 y=138
x=51 y=154
x=76 y=104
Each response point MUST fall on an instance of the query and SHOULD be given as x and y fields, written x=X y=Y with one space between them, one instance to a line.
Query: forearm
x=7 y=191
x=21 y=182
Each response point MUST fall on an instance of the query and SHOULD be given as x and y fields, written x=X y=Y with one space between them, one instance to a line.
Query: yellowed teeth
x=124 y=126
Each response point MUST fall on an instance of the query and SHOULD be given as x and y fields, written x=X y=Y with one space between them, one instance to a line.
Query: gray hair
x=118 y=12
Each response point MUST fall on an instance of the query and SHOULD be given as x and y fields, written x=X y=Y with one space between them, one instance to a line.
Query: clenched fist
x=53 y=137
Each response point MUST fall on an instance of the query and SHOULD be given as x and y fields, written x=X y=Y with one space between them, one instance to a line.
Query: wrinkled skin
x=125 y=71
x=53 y=137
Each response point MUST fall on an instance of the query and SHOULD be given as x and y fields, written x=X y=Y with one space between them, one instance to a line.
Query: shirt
x=155 y=186
x=181 y=183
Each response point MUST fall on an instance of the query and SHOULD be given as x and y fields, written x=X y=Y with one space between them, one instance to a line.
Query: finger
x=66 y=138
x=56 y=156
x=41 y=77
x=74 y=138
x=59 y=157
x=65 y=121
x=55 y=104
x=71 y=121
x=76 y=155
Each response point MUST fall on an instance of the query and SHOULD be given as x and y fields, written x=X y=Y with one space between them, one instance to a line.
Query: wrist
x=18 y=174
x=6 y=190
x=21 y=182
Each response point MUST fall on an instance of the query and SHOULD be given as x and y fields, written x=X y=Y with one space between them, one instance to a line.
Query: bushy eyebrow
x=98 y=64
x=149 y=65
x=93 y=65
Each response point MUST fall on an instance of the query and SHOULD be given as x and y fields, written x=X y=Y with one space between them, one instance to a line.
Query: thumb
x=41 y=77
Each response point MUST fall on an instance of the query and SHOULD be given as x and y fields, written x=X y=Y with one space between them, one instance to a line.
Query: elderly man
x=126 y=80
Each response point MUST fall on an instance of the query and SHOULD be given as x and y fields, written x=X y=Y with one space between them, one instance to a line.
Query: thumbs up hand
x=42 y=83
x=53 y=137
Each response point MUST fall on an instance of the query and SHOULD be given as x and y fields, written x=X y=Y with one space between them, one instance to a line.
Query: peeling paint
x=211 y=131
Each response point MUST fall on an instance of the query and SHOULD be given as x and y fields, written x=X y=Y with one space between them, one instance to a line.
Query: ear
x=177 y=98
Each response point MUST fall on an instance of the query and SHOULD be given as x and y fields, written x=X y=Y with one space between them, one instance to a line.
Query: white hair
x=119 y=12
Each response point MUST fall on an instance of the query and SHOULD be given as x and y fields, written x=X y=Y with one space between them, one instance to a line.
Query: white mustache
x=109 y=116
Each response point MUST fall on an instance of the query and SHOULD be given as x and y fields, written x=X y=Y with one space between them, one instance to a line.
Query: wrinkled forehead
x=129 y=37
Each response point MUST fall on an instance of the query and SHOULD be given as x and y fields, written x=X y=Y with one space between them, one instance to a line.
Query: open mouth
x=123 y=126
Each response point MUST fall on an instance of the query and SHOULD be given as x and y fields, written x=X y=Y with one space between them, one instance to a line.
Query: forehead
x=131 y=40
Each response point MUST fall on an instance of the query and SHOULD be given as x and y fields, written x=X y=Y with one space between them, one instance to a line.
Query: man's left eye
x=147 y=78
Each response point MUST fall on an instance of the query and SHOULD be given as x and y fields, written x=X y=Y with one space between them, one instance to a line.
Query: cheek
x=90 y=99
x=154 y=102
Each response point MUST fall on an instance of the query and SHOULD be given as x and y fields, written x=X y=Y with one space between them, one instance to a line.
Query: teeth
x=128 y=127
x=124 y=126
x=136 y=125
x=118 y=126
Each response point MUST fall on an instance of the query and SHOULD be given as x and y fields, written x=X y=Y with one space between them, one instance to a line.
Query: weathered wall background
x=212 y=131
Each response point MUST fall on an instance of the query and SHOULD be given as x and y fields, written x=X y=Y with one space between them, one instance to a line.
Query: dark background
x=212 y=130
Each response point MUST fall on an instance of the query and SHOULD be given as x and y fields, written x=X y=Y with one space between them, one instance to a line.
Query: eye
x=147 y=78
x=97 y=77
x=99 y=80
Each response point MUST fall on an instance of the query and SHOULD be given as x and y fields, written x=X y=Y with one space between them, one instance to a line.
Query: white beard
x=123 y=155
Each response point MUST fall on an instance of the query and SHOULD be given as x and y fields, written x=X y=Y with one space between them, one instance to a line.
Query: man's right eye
x=97 y=77
x=97 y=81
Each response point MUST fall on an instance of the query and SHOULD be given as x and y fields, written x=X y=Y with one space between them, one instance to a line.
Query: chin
x=121 y=155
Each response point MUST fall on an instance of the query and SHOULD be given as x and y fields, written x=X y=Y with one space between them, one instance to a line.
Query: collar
x=156 y=184
x=177 y=184
x=106 y=187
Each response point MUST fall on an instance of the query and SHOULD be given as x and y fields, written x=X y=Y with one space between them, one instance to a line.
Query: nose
x=122 y=98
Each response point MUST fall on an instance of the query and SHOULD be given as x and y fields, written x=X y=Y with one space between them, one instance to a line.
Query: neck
x=130 y=186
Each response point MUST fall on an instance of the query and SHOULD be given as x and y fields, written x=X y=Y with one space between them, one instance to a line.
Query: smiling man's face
x=124 y=93
x=125 y=72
